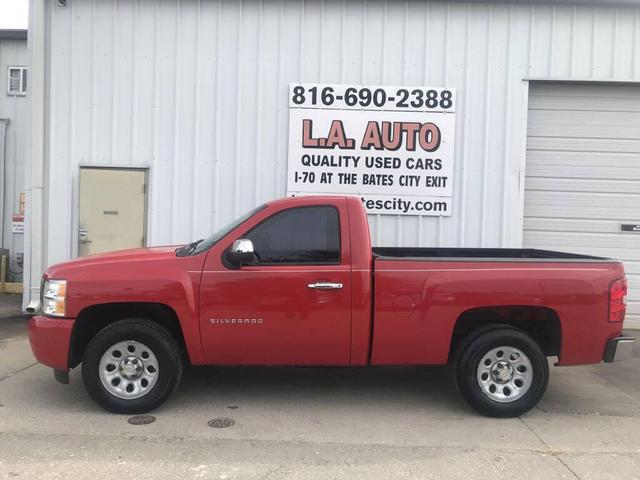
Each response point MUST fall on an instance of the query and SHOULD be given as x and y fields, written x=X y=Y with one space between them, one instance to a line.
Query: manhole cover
x=141 y=419
x=221 y=423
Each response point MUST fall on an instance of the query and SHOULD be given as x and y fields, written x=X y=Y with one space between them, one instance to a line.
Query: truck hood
x=131 y=257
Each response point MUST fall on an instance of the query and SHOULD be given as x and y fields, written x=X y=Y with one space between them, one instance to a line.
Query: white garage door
x=583 y=175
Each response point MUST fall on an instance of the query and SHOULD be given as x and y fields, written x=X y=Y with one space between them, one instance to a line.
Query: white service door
x=112 y=209
x=583 y=175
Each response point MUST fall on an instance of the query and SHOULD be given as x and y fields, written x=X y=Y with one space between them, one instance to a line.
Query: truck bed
x=421 y=293
x=481 y=254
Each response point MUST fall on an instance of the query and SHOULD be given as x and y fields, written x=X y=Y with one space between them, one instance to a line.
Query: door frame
x=75 y=234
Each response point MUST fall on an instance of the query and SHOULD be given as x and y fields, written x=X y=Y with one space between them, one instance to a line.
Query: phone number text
x=372 y=98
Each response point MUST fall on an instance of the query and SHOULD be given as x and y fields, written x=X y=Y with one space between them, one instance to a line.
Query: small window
x=17 y=81
x=305 y=235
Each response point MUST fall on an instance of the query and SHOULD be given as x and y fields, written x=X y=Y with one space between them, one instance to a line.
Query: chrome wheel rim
x=505 y=374
x=129 y=370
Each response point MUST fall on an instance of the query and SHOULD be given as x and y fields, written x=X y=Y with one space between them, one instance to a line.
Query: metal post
x=3 y=273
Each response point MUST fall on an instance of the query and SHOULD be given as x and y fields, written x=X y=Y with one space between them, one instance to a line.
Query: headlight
x=54 y=293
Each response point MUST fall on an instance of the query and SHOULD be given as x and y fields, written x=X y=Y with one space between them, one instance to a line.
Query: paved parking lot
x=317 y=423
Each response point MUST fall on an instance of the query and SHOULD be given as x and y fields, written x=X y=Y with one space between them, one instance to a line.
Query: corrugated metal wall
x=13 y=52
x=197 y=91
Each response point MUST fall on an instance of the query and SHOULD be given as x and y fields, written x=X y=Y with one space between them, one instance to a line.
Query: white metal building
x=14 y=112
x=194 y=96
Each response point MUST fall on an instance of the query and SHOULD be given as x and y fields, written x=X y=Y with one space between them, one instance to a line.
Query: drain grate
x=221 y=422
x=141 y=419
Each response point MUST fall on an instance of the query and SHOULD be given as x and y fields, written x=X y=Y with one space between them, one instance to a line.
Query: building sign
x=391 y=146
x=17 y=223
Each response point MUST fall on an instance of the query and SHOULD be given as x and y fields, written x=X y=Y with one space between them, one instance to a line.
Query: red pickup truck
x=296 y=282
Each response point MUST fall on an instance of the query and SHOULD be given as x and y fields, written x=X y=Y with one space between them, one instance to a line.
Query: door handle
x=82 y=233
x=325 y=285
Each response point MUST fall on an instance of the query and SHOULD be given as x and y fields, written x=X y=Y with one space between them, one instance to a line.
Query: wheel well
x=540 y=323
x=94 y=318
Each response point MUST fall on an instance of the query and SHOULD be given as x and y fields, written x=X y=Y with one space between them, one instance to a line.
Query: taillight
x=617 y=300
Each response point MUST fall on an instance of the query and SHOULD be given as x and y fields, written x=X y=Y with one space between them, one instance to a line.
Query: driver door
x=292 y=304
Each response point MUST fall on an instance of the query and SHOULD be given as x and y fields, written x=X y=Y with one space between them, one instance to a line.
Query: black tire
x=158 y=340
x=472 y=351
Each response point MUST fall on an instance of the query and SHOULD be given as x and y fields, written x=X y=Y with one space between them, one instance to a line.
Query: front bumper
x=50 y=339
x=619 y=348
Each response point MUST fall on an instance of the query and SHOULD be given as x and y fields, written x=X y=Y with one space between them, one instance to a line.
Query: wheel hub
x=502 y=372
x=131 y=367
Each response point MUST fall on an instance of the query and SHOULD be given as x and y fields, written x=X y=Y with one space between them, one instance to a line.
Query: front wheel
x=131 y=366
x=502 y=373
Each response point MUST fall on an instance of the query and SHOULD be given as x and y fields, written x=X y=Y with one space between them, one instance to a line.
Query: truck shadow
x=397 y=387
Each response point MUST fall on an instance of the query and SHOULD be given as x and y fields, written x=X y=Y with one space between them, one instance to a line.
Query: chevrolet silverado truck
x=296 y=282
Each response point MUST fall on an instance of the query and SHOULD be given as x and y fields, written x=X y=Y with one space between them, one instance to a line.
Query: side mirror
x=241 y=251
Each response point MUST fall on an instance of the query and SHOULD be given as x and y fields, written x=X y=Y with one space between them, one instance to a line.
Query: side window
x=17 y=84
x=305 y=235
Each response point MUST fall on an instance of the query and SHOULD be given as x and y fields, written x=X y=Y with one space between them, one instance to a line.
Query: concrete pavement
x=400 y=423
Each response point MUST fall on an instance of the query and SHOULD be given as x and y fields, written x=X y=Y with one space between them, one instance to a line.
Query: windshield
x=208 y=242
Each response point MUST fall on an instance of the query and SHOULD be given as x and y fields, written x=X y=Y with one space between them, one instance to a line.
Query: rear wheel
x=502 y=373
x=131 y=366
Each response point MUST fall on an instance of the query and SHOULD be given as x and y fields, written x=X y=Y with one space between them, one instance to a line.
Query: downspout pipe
x=35 y=175
x=3 y=167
